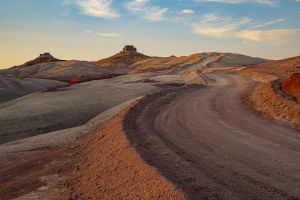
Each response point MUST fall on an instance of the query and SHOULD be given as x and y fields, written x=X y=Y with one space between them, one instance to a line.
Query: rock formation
x=129 y=48
x=123 y=59
x=42 y=58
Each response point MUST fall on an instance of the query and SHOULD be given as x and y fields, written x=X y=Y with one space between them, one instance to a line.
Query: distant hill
x=198 y=61
x=42 y=58
x=14 y=87
x=129 y=60
x=277 y=67
x=47 y=67
x=120 y=61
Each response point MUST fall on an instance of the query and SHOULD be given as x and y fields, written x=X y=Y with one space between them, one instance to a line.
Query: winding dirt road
x=209 y=145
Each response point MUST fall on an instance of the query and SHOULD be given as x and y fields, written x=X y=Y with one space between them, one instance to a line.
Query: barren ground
x=208 y=144
x=181 y=143
x=198 y=143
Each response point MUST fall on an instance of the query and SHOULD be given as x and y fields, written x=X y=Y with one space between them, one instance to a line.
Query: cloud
x=137 y=5
x=97 y=8
x=187 y=11
x=226 y=1
x=277 y=36
x=108 y=34
x=269 y=23
x=216 y=26
x=268 y=2
x=219 y=32
x=147 y=11
x=155 y=13
x=213 y=25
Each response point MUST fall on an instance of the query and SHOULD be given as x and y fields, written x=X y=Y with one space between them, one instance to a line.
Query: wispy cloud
x=108 y=34
x=219 y=32
x=268 y=2
x=213 y=25
x=97 y=8
x=88 y=32
x=144 y=9
x=103 y=34
x=277 y=36
x=187 y=11
x=269 y=23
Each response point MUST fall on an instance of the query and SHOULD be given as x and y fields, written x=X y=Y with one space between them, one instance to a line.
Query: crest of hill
x=198 y=61
x=47 y=67
x=42 y=58
x=123 y=59
x=277 y=67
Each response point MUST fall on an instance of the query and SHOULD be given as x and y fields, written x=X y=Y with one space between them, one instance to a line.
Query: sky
x=95 y=29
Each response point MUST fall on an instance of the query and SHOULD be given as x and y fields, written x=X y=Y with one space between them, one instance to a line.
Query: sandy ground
x=110 y=168
x=180 y=143
x=33 y=168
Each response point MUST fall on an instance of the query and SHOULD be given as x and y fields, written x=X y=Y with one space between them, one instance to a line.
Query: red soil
x=292 y=85
x=74 y=80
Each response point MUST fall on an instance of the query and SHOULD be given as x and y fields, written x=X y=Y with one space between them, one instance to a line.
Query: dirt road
x=210 y=146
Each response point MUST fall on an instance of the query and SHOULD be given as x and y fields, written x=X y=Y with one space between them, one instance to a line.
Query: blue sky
x=94 y=29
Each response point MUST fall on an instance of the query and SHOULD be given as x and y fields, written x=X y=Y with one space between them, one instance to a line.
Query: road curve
x=207 y=143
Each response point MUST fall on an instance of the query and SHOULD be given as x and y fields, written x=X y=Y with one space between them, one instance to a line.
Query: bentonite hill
x=150 y=100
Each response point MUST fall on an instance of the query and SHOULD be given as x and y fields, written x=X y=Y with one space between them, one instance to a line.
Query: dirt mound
x=74 y=71
x=42 y=58
x=121 y=60
x=71 y=71
x=163 y=63
x=264 y=100
x=110 y=168
x=14 y=87
x=39 y=113
x=192 y=77
x=235 y=60
x=198 y=62
x=270 y=101
x=130 y=61
x=278 y=67
x=292 y=85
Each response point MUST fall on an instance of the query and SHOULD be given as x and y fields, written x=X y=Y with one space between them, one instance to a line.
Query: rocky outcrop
x=42 y=58
x=120 y=61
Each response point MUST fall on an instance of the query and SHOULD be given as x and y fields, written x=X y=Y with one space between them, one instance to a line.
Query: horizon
x=95 y=29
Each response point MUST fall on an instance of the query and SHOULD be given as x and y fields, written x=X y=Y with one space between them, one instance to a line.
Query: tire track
x=211 y=147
